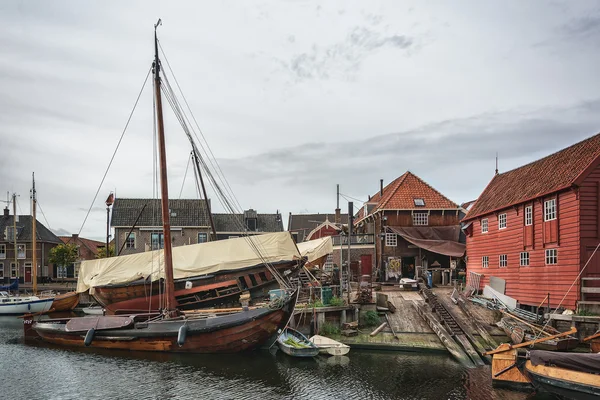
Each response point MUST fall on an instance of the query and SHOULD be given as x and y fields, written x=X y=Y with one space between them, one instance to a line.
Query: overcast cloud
x=293 y=97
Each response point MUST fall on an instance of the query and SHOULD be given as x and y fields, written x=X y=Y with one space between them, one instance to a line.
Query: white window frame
x=550 y=210
x=205 y=237
x=160 y=240
x=420 y=219
x=1 y=270
x=391 y=239
x=13 y=270
x=484 y=225
x=61 y=271
x=419 y=202
x=551 y=256
x=485 y=262
x=10 y=237
x=45 y=271
x=2 y=251
x=503 y=261
x=524 y=259
x=128 y=241
x=528 y=216
x=21 y=255
x=502 y=221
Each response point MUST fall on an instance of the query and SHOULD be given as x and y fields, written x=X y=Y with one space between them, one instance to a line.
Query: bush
x=371 y=318
x=316 y=304
x=329 y=329
x=336 y=301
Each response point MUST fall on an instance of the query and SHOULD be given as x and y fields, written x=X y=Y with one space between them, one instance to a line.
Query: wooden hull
x=506 y=372
x=290 y=350
x=65 y=302
x=142 y=296
x=232 y=333
x=564 y=382
x=595 y=346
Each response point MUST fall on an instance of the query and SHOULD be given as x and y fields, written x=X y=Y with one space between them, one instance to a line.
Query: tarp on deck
x=437 y=239
x=584 y=362
x=188 y=261
x=315 y=249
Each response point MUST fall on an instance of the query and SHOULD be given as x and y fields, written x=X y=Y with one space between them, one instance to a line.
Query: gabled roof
x=184 y=212
x=91 y=245
x=303 y=224
x=236 y=223
x=550 y=174
x=24 y=230
x=400 y=194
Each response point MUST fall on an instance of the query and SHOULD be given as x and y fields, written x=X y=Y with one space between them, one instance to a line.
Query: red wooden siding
x=404 y=218
x=529 y=285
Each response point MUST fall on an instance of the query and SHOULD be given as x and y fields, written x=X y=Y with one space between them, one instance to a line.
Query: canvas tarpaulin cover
x=583 y=362
x=188 y=261
x=439 y=239
x=315 y=249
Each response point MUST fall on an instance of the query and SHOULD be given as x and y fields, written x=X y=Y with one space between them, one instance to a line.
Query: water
x=49 y=372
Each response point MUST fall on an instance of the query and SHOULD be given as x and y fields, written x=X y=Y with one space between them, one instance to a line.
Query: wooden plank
x=480 y=328
x=379 y=329
x=590 y=290
x=505 y=346
x=462 y=339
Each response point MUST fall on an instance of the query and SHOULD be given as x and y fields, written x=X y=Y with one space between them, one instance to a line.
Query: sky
x=293 y=97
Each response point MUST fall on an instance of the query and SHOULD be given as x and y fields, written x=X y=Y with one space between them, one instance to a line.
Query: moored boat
x=65 y=301
x=330 y=346
x=20 y=305
x=295 y=344
x=519 y=332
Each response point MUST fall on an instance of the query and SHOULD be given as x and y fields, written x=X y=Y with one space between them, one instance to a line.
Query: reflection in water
x=54 y=372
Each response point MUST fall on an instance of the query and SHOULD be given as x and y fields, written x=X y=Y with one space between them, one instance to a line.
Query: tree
x=102 y=251
x=64 y=254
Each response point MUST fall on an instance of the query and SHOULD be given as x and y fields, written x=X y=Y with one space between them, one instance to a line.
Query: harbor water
x=50 y=372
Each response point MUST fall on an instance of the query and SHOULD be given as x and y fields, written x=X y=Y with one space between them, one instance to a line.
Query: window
x=551 y=256
x=419 y=202
x=503 y=260
x=130 y=241
x=524 y=259
x=251 y=224
x=528 y=215
x=45 y=270
x=76 y=270
x=1 y=270
x=233 y=237
x=10 y=233
x=202 y=237
x=550 y=210
x=485 y=261
x=502 y=221
x=391 y=239
x=484 y=225
x=13 y=270
x=2 y=251
x=61 y=272
x=420 y=219
x=20 y=251
x=158 y=241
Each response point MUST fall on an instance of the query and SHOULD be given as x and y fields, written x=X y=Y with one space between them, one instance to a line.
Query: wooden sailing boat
x=169 y=330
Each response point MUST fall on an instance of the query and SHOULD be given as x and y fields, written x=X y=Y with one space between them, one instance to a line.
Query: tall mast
x=15 y=232
x=33 y=235
x=164 y=189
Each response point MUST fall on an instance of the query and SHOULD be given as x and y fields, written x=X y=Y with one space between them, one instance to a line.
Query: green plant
x=316 y=304
x=585 y=313
x=371 y=318
x=329 y=329
x=336 y=301
x=64 y=254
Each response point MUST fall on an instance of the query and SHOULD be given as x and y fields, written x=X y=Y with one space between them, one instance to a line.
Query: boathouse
x=537 y=226
x=416 y=228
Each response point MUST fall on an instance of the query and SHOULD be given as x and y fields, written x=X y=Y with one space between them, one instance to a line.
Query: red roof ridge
x=402 y=179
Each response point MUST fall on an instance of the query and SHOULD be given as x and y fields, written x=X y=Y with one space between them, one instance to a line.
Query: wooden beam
x=505 y=346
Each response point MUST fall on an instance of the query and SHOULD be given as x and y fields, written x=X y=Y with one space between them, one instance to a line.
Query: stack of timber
x=519 y=330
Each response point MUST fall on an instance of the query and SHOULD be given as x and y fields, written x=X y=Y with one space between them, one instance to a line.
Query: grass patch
x=371 y=318
x=329 y=329
x=336 y=301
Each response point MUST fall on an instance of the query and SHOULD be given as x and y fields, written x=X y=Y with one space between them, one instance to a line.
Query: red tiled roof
x=547 y=175
x=92 y=245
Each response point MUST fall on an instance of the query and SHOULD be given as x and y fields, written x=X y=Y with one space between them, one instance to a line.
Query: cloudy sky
x=293 y=97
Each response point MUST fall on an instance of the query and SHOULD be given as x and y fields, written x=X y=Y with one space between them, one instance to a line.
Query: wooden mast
x=170 y=309
x=33 y=235
x=15 y=234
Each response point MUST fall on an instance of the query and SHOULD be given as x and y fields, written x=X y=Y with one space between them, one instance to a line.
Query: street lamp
x=109 y=202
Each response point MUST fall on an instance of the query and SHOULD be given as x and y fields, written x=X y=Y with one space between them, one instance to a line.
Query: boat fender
x=89 y=336
x=181 y=335
x=28 y=307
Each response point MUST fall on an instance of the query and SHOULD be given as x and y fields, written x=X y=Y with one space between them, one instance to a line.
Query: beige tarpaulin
x=315 y=249
x=438 y=239
x=189 y=261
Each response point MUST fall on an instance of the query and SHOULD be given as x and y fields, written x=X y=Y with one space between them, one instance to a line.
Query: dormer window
x=9 y=234
x=419 y=202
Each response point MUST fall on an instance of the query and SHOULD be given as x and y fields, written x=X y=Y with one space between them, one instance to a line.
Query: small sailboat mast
x=33 y=235
x=164 y=189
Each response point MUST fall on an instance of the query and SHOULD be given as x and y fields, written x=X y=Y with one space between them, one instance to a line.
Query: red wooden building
x=536 y=227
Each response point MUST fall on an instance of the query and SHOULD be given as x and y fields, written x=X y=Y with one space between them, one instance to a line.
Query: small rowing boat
x=330 y=346
x=295 y=344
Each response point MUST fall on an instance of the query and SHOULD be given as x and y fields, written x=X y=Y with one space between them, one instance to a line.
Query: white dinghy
x=330 y=346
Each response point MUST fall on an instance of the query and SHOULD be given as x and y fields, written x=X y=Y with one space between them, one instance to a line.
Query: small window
x=1 y=270
x=13 y=270
x=9 y=234
x=233 y=237
x=502 y=221
x=130 y=241
x=391 y=240
x=484 y=225
x=61 y=272
x=419 y=202
x=528 y=216
x=158 y=241
x=420 y=219
x=550 y=210
x=551 y=256
x=485 y=262
x=45 y=270
x=524 y=259
x=2 y=251
x=21 y=251
x=202 y=237
x=503 y=260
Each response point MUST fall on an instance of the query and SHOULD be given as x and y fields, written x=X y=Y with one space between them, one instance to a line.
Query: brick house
x=45 y=241
x=301 y=226
x=87 y=249
x=190 y=224
x=538 y=225
x=414 y=227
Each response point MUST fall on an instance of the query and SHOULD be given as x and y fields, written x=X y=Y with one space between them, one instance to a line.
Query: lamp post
x=109 y=202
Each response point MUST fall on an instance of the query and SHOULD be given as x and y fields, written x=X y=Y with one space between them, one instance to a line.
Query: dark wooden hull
x=564 y=382
x=65 y=302
x=237 y=332
x=223 y=288
x=595 y=346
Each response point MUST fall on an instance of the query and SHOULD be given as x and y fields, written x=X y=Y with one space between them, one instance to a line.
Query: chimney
x=381 y=187
x=75 y=235
x=6 y=212
x=338 y=216
x=369 y=198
